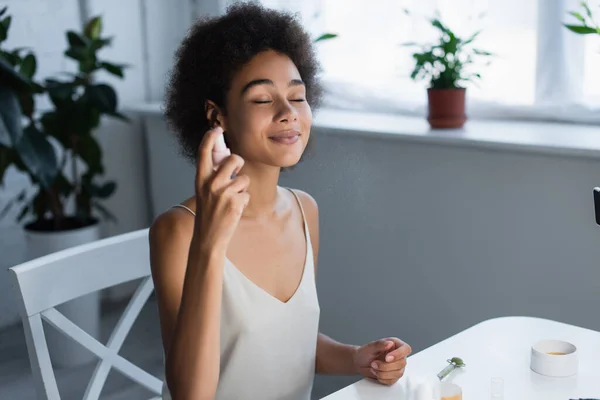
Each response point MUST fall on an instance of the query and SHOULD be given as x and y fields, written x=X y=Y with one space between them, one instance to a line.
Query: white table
x=498 y=347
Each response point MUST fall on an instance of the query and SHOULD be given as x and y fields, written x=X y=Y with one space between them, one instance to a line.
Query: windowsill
x=536 y=137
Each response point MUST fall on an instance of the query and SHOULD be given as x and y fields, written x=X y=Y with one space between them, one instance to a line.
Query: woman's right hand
x=220 y=200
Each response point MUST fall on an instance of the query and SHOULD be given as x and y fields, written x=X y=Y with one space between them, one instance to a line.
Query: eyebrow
x=256 y=82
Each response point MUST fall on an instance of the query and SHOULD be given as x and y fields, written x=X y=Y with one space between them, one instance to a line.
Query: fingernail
x=374 y=365
x=389 y=358
x=373 y=372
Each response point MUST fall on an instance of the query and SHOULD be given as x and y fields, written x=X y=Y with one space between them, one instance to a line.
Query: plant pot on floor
x=83 y=311
x=446 y=108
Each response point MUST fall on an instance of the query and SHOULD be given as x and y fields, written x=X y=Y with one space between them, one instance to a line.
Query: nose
x=287 y=113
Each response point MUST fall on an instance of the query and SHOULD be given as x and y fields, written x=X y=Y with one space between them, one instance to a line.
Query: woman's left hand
x=383 y=360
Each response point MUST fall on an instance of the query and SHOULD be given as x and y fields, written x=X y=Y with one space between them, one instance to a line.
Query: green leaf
x=61 y=93
x=106 y=214
x=93 y=28
x=4 y=27
x=582 y=30
x=7 y=155
x=52 y=125
x=10 y=116
x=103 y=97
x=75 y=40
x=3 y=10
x=115 y=69
x=586 y=7
x=17 y=199
x=37 y=88
x=472 y=37
x=482 y=53
x=326 y=36
x=6 y=208
x=438 y=24
x=118 y=115
x=76 y=53
x=91 y=153
x=27 y=104
x=38 y=155
x=578 y=16
x=97 y=44
x=11 y=77
x=28 y=66
x=12 y=58
x=23 y=213
x=106 y=190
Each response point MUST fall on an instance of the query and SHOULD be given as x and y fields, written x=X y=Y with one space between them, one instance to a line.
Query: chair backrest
x=48 y=281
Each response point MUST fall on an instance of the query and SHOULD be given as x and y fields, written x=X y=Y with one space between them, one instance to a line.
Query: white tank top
x=268 y=348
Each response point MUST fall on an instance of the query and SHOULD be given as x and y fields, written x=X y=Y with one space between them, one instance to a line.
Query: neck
x=263 y=189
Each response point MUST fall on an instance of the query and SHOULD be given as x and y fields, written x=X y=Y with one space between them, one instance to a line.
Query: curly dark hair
x=215 y=49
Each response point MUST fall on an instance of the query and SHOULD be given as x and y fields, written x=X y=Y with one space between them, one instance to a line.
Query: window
x=591 y=80
x=540 y=70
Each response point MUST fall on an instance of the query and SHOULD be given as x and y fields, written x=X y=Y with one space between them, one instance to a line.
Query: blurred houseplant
x=586 y=22
x=22 y=144
x=446 y=65
x=59 y=153
x=78 y=105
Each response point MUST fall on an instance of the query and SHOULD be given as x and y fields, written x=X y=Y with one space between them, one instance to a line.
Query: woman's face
x=268 y=119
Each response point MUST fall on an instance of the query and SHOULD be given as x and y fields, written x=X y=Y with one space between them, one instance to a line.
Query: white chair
x=75 y=272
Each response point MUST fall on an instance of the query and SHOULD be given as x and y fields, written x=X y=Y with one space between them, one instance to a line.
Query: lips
x=286 y=137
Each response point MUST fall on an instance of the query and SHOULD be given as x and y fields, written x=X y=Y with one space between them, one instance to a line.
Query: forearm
x=192 y=364
x=334 y=358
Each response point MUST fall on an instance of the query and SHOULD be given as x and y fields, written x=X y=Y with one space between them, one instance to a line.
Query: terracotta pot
x=446 y=108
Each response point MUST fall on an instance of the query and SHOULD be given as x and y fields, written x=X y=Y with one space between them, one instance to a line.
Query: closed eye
x=299 y=100
x=262 y=101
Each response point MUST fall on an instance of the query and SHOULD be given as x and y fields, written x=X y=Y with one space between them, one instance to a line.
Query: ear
x=214 y=115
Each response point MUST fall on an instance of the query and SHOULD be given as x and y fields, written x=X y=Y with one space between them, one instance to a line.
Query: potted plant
x=21 y=142
x=587 y=25
x=58 y=151
x=73 y=158
x=446 y=65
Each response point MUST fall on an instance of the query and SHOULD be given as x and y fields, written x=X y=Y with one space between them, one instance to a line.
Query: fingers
x=239 y=184
x=232 y=164
x=204 y=164
x=389 y=377
x=402 y=350
x=380 y=345
x=387 y=367
x=368 y=373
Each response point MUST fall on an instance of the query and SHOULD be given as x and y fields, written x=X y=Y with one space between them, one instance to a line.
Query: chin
x=288 y=157
x=285 y=162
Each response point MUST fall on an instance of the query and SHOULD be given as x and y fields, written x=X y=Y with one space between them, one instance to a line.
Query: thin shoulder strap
x=185 y=208
x=300 y=204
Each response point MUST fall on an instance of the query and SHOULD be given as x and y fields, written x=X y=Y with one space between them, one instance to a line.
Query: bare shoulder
x=311 y=210
x=170 y=231
x=309 y=203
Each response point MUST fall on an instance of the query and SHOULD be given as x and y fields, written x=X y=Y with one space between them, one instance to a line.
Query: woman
x=234 y=265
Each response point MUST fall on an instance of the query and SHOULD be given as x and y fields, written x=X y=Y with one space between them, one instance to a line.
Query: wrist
x=353 y=351
x=208 y=249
